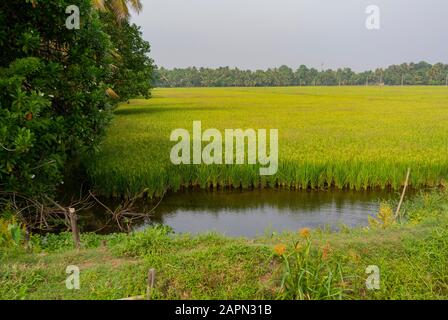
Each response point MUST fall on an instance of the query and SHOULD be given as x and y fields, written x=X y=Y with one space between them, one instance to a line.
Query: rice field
x=341 y=137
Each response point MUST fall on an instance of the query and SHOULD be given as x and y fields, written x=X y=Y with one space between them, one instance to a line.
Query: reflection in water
x=252 y=213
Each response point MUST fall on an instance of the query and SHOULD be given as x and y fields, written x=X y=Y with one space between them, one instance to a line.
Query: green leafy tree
x=53 y=81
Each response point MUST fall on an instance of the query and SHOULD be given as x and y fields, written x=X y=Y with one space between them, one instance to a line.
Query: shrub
x=12 y=233
x=146 y=241
x=385 y=217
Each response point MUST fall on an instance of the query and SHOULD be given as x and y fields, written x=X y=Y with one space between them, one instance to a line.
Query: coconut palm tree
x=120 y=8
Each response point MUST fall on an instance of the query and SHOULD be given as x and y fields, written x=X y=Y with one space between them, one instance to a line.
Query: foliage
x=56 y=85
x=63 y=241
x=349 y=137
x=132 y=72
x=144 y=242
x=53 y=104
x=421 y=73
x=308 y=272
x=385 y=217
x=12 y=233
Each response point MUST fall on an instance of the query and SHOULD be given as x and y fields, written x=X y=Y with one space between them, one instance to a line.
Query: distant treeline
x=421 y=73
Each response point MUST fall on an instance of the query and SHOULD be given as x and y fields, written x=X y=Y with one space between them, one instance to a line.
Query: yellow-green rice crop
x=346 y=137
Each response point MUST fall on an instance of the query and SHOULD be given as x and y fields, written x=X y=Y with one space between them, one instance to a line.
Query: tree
x=421 y=73
x=285 y=76
x=53 y=83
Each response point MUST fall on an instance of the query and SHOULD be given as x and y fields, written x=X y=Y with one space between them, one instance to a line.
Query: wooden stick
x=133 y=298
x=73 y=222
x=151 y=279
x=74 y=226
x=402 y=194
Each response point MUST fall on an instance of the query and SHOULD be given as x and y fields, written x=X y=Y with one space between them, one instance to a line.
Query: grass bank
x=411 y=254
x=348 y=137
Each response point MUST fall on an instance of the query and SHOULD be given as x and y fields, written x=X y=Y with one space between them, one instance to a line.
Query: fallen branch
x=125 y=210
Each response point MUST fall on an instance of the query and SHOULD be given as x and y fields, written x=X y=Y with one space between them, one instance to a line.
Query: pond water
x=252 y=213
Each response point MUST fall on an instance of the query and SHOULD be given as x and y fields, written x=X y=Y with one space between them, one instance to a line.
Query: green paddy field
x=347 y=137
x=344 y=137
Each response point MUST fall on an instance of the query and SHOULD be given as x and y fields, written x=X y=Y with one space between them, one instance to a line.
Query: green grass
x=348 y=137
x=412 y=257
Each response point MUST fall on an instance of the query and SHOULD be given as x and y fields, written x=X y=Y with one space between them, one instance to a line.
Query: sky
x=260 y=34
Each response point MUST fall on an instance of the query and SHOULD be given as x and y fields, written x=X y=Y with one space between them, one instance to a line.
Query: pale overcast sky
x=258 y=34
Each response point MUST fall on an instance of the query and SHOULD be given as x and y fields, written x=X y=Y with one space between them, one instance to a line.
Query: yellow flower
x=305 y=233
x=280 y=249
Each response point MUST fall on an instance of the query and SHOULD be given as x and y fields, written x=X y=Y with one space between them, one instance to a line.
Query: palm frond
x=120 y=8
x=99 y=4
